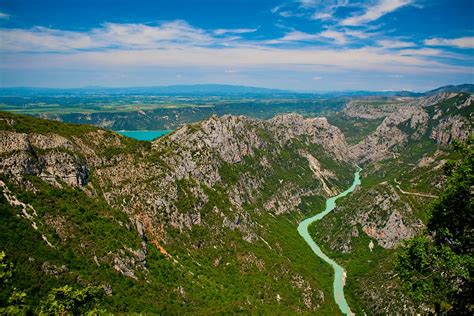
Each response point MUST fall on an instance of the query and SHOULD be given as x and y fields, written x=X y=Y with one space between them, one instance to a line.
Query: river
x=339 y=273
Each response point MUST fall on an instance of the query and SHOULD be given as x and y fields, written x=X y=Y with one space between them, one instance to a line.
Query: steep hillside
x=202 y=220
x=402 y=161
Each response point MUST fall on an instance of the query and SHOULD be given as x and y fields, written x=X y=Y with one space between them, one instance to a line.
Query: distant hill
x=220 y=89
x=363 y=93
x=466 y=88
x=198 y=89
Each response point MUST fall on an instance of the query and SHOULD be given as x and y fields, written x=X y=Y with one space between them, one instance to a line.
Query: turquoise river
x=339 y=273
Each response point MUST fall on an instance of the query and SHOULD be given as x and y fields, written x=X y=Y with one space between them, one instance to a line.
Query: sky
x=303 y=45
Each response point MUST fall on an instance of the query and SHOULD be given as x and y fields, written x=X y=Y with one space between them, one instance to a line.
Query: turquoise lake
x=144 y=135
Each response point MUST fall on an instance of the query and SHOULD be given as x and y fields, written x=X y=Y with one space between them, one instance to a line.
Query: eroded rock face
x=370 y=110
x=12 y=141
x=48 y=156
x=388 y=136
x=318 y=131
x=49 y=141
x=451 y=128
x=410 y=122
x=63 y=166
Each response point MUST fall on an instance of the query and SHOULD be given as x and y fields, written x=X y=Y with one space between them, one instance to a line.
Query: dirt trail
x=414 y=193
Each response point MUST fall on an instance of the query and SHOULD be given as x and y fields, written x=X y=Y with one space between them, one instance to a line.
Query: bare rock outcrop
x=370 y=109
x=438 y=117
x=451 y=128
x=50 y=157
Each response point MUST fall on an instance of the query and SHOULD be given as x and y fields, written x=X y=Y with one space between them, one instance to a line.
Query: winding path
x=414 y=193
x=339 y=273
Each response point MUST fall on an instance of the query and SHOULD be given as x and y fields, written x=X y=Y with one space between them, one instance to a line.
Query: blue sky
x=307 y=45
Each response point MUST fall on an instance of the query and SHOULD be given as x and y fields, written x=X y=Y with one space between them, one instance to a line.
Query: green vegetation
x=355 y=129
x=60 y=301
x=160 y=112
x=12 y=301
x=26 y=124
x=436 y=268
x=67 y=300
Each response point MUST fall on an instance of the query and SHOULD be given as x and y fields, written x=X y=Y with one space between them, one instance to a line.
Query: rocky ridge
x=221 y=175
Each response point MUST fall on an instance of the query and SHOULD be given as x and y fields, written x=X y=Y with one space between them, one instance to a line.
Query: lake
x=144 y=135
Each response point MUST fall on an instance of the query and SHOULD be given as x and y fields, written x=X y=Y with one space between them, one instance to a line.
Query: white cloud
x=307 y=3
x=317 y=78
x=422 y=52
x=358 y=34
x=276 y=9
x=145 y=36
x=299 y=36
x=376 y=11
x=134 y=36
x=321 y=16
x=44 y=39
x=395 y=44
x=325 y=10
x=338 y=37
x=4 y=16
x=234 y=31
x=367 y=59
x=290 y=14
x=461 y=42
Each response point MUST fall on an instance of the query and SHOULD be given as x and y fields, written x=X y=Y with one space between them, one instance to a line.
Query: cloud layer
x=178 y=43
x=354 y=42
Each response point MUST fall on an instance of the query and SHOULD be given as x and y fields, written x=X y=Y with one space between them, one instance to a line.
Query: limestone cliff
x=442 y=117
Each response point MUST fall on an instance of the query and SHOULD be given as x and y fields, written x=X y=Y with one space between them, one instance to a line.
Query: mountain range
x=216 y=89
x=203 y=220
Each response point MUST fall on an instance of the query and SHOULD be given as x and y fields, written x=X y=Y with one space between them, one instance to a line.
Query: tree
x=436 y=269
x=16 y=303
x=66 y=300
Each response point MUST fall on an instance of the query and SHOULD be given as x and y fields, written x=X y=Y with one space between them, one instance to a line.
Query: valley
x=204 y=219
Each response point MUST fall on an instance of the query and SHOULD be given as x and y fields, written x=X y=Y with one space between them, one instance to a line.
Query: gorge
x=203 y=219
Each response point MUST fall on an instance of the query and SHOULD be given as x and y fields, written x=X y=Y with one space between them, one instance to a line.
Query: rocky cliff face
x=371 y=109
x=50 y=158
x=382 y=210
x=442 y=117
